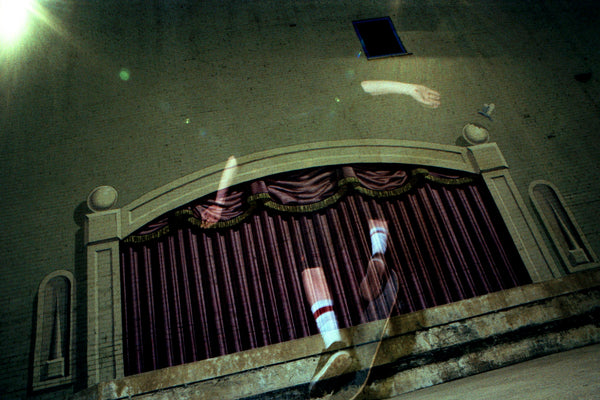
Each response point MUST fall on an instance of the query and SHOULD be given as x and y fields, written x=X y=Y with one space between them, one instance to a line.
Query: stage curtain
x=192 y=292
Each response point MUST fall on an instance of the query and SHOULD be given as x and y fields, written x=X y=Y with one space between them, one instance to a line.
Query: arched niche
x=565 y=234
x=53 y=355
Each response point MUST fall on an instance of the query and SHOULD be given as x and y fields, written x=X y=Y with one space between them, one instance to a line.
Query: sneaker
x=333 y=363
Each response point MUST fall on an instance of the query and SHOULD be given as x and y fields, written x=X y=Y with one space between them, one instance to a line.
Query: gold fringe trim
x=308 y=207
x=425 y=174
x=217 y=225
x=148 y=237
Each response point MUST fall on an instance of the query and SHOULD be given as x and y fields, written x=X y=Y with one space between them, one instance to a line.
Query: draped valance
x=300 y=191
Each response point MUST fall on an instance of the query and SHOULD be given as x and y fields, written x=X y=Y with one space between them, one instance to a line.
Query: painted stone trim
x=53 y=360
x=568 y=239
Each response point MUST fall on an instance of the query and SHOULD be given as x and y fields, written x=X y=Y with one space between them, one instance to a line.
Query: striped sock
x=378 y=239
x=326 y=321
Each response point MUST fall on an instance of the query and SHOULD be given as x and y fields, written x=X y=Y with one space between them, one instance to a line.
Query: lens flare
x=124 y=74
x=14 y=18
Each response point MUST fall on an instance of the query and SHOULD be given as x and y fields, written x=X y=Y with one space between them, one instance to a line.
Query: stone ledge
x=433 y=345
x=471 y=363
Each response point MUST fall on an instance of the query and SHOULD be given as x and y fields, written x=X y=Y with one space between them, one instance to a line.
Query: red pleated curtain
x=190 y=292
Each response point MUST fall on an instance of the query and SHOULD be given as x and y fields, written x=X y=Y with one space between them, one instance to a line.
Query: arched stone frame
x=104 y=229
x=53 y=358
x=568 y=239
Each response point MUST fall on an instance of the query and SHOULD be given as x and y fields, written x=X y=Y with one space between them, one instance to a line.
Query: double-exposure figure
x=338 y=358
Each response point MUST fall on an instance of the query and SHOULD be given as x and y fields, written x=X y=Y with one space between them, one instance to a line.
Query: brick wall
x=236 y=78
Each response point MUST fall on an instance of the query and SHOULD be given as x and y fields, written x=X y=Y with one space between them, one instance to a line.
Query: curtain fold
x=192 y=293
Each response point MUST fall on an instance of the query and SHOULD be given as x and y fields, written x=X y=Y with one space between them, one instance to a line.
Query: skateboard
x=383 y=307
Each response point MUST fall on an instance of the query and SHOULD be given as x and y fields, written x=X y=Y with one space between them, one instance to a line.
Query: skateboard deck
x=380 y=307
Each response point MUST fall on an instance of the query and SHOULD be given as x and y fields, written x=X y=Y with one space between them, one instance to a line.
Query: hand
x=425 y=95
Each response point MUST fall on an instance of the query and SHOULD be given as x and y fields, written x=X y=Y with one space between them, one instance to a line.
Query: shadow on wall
x=30 y=368
x=80 y=272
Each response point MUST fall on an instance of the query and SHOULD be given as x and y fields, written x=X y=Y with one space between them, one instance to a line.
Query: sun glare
x=14 y=17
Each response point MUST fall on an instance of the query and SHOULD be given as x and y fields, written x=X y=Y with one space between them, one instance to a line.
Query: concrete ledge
x=567 y=375
x=421 y=349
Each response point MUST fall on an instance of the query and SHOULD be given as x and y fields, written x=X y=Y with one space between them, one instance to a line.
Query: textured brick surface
x=216 y=78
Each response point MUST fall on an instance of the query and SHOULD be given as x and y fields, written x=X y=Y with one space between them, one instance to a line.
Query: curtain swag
x=298 y=192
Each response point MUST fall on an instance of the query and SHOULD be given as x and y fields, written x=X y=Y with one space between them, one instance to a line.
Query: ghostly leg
x=321 y=304
x=371 y=284
x=336 y=360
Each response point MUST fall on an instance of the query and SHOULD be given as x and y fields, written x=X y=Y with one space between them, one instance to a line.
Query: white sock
x=378 y=240
x=326 y=321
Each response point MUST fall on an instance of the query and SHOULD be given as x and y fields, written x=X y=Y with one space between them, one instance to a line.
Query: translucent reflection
x=370 y=287
x=420 y=93
x=334 y=375
x=212 y=214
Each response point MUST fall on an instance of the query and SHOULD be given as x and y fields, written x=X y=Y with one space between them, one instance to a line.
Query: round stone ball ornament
x=475 y=134
x=102 y=198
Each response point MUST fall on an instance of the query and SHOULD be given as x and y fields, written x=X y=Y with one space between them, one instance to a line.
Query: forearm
x=385 y=87
x=226 y=178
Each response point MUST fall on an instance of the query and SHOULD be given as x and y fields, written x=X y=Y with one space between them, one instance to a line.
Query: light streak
x=14 y=20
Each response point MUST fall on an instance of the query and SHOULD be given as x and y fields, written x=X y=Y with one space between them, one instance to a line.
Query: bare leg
x=337 y=360
x=371 y=285
x=315 y=285
x=420 y=93
x=321 y=303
